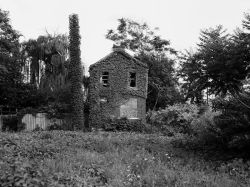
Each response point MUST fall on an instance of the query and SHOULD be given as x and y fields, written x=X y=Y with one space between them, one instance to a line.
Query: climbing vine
x=118 y=92
x=76 y=73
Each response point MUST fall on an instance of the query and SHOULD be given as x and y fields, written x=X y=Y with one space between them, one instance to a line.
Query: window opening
x=132 y=79
x=105 y=79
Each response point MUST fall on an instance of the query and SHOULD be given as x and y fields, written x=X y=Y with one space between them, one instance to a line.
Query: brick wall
x=118 y=91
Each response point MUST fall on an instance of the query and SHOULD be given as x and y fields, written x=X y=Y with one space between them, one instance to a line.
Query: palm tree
x=46 y=57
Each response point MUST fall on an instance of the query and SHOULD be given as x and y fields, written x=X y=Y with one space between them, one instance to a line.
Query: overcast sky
x=179 y=21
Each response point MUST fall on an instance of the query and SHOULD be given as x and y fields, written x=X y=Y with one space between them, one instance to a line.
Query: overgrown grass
x=59 y=158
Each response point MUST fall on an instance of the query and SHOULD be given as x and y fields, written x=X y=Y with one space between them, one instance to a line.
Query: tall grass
x=58 y=158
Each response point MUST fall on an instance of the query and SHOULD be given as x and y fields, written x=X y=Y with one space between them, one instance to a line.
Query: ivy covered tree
x=76 y=73
x=153 y=50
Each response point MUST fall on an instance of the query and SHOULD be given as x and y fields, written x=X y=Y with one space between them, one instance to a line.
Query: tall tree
x=162 y=83
x=220 y=65
x=139 y=38
x=153 y=50
x=46 y=57
x=9 y=51
x=243 y=39
x=76 y=73
x=10 y=63
x=190 y=72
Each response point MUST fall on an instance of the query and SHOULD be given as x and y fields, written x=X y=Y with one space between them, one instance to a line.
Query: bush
x=54 y=126
x=174 y=119
x=204 y=127
x=65 y=126
x=193 y=126
x=124 y=124
x=10 y=123
x=37 y=128
x=225 y=127
x=233 y=123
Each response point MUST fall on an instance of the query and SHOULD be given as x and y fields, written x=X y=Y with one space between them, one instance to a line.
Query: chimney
x=117 y=48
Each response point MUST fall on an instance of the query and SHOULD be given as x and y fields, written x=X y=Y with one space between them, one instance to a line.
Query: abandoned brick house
x=118 y=87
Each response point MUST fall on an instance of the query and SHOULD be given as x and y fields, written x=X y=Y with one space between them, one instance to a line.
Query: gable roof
x=122 y=52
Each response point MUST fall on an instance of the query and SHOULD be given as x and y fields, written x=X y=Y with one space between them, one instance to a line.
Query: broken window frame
x=105 y=79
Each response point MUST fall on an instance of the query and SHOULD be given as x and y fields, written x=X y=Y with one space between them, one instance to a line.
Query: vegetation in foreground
x=60 y=158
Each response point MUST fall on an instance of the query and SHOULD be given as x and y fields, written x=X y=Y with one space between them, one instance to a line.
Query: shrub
x=13 y=122
x=224 y=127
x=204 y=127
x=124 y=124
x=37 y=128
x=64 y=126
x=10 y=123
x=233 y=123
x=54 y=126
x=174 y=119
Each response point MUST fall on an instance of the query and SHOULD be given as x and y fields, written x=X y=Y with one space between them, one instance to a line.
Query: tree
x=76 y=73
x=219 y=65
x=9 y=38
x=190 y=72
x=223 y=68
x=138 y=38
x=10 y=63
x=9 y=51
x=153 y=50
x=243 y=38
x=246 y=22
x=47 y=61
x=162 y=83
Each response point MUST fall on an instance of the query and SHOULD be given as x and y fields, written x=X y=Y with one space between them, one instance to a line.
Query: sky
x=179 y=21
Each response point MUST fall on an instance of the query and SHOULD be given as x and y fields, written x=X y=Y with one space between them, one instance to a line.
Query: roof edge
x=124 y=53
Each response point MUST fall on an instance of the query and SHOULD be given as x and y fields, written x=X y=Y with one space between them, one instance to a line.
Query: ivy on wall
x=118 y=64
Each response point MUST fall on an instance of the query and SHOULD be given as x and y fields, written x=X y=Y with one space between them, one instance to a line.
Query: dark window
x=132 y=79
x=105 y=78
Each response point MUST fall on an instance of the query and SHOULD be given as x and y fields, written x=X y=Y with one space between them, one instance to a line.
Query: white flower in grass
x=167 y=156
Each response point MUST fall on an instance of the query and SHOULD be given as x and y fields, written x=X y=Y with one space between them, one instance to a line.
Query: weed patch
x=59 y=158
